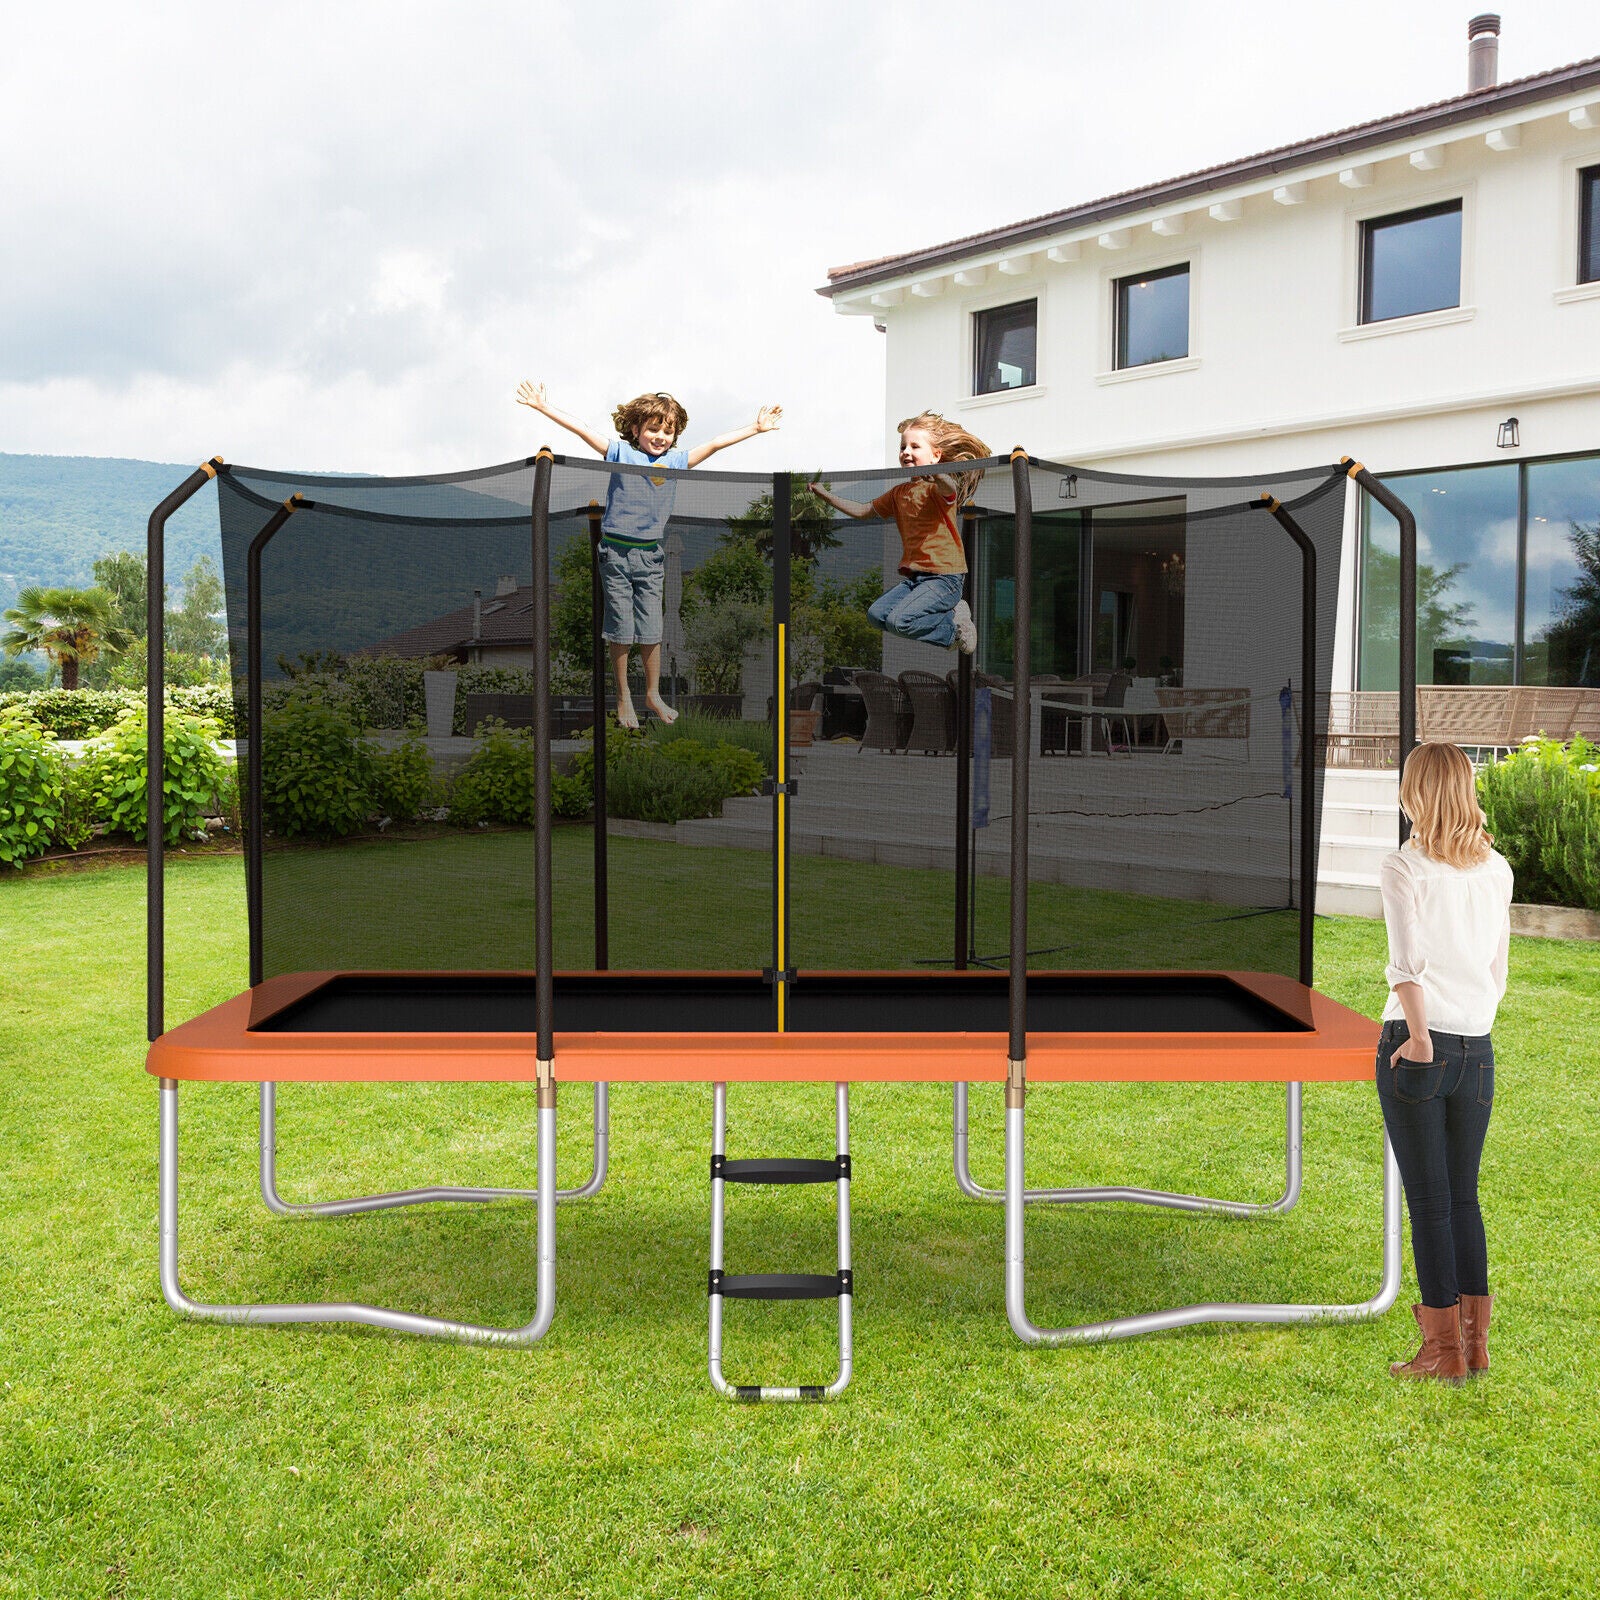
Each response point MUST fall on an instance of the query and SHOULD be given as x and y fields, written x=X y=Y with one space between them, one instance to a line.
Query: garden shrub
x=32 y=783
x=318 y=776
x=667 y=777
x=652 y=786
x=83 y=713
x=706 y=728
x=114 y=771
x=1542 y=805
x=403 y=783
x=496 y=784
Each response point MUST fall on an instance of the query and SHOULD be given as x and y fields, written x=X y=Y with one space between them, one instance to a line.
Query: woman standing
x=1446 y=904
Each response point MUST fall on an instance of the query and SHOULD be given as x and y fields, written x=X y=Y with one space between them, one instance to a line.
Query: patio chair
x=889 y=714
x=1002 y=711
x=933 y=712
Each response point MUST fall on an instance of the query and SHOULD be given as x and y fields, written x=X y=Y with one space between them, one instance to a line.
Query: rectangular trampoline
x=1145 y=919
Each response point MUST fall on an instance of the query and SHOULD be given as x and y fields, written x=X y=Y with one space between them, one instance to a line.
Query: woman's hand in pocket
x=1418 y=1050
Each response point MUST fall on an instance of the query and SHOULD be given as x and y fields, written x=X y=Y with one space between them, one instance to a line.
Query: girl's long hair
x=1440 y=794
x=660 y=406
x=953 y=443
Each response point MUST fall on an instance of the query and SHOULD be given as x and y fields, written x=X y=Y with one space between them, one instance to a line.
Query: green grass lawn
x=143 y=1455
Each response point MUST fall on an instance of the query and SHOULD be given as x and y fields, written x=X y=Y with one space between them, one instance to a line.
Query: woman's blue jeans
x=1437 y=1115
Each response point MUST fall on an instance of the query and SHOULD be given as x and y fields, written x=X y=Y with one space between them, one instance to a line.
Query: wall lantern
x=1508 y=438
x=1069 y=487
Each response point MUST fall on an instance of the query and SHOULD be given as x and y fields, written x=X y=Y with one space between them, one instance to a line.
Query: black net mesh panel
x=1164 y=725
x=874 y=874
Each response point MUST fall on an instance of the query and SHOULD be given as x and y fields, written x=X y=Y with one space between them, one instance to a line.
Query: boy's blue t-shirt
x=638 y=505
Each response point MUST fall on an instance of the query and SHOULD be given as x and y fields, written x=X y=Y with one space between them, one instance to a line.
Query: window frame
x=975 y=349
x=1364 y=233
x=1184 y=268
x=1588 y=223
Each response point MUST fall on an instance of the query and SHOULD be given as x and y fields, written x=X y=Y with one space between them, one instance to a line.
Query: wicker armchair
x=889 y=714
x=933 y=712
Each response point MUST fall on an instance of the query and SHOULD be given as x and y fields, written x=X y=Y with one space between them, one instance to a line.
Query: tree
x=71 y=626
x=811 y=522
x=20 y=675
x=1572 y=640
x=571 y=617
x=1439 y=618
x=124 y=576
x=194 y=628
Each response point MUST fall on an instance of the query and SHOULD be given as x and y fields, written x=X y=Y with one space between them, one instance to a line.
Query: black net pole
x=1021 y=751
x=253 y=819
x=1308 y=732
x=155 y=747
x=1401 y=512
x=969 y=519
x=782 y=540
x=597 y=667
x=543 y=935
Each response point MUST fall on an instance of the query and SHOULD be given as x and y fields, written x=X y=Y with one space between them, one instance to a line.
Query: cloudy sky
x=335 y=235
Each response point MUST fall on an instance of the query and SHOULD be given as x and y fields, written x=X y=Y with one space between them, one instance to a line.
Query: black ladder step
x=781 y=1169
x=782 y=1285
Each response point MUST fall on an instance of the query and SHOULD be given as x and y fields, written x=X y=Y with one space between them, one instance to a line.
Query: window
x=1411 y=263
x=1153 y=317
x=1589 y=225
x=1005 y=349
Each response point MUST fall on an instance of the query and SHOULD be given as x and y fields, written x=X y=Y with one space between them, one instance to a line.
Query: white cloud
x=337 y=236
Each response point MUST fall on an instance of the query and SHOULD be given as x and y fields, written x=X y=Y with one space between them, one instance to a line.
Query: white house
x=1421 y=292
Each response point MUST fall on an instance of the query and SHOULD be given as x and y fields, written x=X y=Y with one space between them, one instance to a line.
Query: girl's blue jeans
x=921 y=607
x=1437 y=1114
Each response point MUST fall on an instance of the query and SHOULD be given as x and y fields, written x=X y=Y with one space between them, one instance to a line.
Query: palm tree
x=71 y=626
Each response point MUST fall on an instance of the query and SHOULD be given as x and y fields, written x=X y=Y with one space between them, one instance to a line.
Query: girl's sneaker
x=966 y=629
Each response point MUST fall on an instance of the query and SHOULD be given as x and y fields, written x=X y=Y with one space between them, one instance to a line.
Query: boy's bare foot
x=660 y=708
x=966 y=629
x=627 y=717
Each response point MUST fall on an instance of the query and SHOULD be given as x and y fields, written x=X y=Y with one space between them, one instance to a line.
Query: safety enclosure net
x=827 y=794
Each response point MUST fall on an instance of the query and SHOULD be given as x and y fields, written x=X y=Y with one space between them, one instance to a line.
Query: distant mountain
x=58 y=513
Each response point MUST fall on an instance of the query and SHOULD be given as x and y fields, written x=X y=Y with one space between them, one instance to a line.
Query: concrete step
x=1355 y=896
x=1343 y=854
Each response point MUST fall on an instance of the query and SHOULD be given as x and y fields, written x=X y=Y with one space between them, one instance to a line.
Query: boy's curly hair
x=953 y=443
x=659 y=406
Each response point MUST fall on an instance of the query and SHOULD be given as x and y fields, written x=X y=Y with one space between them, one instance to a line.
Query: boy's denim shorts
x=631 y=581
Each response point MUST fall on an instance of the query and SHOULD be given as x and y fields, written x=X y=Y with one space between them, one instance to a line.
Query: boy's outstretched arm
x=767 y=418
x=851 y=508
x=532 y=394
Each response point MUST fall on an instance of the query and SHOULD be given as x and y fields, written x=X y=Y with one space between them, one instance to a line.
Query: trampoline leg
x=1292 y=1147
x=416 y=1197
x=1183 y=1316
x=373 y=1316
x=778 y=1285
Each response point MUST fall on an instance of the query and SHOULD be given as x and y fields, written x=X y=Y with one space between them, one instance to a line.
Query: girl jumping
x=638 y=508
x=926 y=604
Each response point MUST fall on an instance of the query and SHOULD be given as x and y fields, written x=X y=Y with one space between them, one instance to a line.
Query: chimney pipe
x=477 y=614
x=1483 y=52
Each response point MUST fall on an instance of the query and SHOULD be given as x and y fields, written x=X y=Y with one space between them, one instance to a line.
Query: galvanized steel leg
x=374 y=1316
x=414 y=1197
x=1182 y=1316
x=1146 y=1197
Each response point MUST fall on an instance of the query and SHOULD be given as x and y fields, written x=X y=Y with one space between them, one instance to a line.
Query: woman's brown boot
x=1440 y=1356
x=1475 y=1331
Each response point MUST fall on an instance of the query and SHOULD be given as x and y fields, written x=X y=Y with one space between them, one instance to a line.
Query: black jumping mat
x=690 y=1002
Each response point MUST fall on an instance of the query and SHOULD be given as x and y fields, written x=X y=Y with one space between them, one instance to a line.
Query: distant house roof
x=1504 y=97
x=505 y=619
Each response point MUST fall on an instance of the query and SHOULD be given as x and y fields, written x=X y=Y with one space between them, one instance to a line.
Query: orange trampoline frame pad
x=219 y=1046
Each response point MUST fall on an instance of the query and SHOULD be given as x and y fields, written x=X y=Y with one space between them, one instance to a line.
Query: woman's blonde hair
x=1439 y=792
x=658 y=406
x=953 y=443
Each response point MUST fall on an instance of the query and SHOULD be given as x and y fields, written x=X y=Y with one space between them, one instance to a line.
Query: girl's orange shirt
x=926 y=519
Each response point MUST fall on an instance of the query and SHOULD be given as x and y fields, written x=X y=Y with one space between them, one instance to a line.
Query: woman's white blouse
x=1449 y=931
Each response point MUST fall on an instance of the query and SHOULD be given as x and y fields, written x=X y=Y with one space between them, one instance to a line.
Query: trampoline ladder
x=780 y=1285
